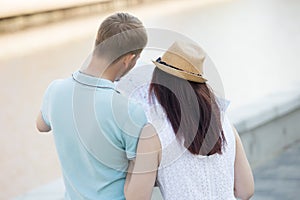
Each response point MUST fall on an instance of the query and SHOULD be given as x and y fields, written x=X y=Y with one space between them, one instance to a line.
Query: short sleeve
x=45 y=104
x=132 y=129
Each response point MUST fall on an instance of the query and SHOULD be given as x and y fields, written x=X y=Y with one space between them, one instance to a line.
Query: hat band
x=164 y=63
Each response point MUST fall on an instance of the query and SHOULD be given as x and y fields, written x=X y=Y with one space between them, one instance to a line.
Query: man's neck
x=97 y=70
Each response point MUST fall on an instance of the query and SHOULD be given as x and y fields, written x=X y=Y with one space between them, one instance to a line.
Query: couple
x=111 y=147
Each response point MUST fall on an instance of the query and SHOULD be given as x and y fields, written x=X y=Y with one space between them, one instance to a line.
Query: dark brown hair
x=118 y=35
x=192 y=110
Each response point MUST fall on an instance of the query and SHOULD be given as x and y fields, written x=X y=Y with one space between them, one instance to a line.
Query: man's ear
x=128 y=59
x=132 y=56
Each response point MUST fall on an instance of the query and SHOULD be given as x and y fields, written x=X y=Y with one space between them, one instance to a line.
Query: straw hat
x=184 y=60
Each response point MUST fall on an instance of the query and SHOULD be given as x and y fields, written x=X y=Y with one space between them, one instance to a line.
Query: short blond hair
x=118 y=35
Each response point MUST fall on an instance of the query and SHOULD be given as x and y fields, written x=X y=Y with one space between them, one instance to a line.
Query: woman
x=201 y=154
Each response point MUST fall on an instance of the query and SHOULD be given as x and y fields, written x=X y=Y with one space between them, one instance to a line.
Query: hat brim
x=179 y=73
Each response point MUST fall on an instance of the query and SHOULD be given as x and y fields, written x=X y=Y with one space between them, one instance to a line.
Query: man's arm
x=142 y=171
x=41 y=124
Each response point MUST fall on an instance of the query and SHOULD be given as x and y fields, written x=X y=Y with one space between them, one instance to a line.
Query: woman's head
x=191 y=108
x=183 y=60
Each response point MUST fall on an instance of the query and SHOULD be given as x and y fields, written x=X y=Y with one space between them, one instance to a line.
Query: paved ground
x=279 y=179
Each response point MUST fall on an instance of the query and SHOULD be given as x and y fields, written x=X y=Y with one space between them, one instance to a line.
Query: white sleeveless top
x=182 y=175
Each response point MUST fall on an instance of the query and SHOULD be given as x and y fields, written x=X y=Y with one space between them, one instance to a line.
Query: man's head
x=120 y=35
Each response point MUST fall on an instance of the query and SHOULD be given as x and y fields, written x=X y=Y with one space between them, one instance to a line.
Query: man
x=96 y=129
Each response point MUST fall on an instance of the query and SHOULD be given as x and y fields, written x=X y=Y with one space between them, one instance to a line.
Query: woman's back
x=195 y=152
x=183 y=175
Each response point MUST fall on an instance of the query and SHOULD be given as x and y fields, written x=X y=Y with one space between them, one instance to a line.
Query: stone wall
x=269 y=125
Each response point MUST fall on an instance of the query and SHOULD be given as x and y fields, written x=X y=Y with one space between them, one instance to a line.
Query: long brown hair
x=192 y=110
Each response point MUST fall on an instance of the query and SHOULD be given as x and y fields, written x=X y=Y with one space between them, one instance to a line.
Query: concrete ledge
x=269 y=125
x=53 y=12
x=266 y=109
x=32 y=18
x=14 y=8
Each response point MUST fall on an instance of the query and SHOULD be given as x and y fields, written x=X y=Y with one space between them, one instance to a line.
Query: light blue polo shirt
x=96 y=131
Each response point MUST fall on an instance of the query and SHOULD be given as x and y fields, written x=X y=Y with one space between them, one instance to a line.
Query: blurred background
x=254 y=45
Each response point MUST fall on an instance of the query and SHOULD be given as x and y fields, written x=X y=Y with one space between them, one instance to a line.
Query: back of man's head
x=118 y=35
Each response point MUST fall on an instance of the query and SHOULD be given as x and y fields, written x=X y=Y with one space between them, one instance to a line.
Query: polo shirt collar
x=92 y=81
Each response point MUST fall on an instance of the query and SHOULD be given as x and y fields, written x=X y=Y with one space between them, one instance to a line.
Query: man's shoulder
x=59 y=83
x=62 y=82
x=55 y=88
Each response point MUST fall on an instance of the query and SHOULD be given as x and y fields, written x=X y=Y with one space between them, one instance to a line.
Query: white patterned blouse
x=182 y=175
